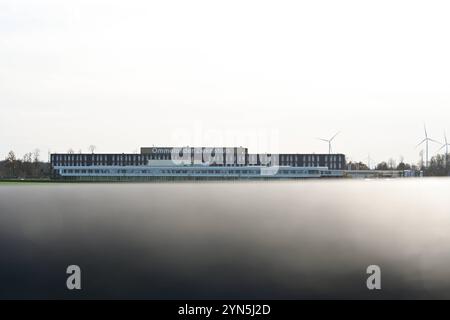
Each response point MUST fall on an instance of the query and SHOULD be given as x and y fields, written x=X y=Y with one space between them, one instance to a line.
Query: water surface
x=238 y=240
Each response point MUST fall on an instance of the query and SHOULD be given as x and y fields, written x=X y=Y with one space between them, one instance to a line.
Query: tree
x=28 y=157
x=357 y=166
x=437 y=167
x=27 y=167
x=382 y=166
x=392 y=164
x=70 y=151
x=27 y=164
x=11 y=157
x=403 y=166
x=92 y=148
x=11 y=163
x=36 y=154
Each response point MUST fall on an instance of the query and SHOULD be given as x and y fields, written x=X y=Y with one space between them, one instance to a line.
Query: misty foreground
x=241 y=240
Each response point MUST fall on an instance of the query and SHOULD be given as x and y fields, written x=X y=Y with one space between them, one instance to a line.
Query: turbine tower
x=330 y=149
x=445 y=145
x=426 y=140
x=369 y=161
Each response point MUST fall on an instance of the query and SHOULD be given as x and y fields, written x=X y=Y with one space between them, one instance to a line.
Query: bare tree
x=11 y=157
x=27 y=164
x=28 y=167
x=92 y=148
x=11 y=163
x=70 y=151
x=28 y=157
x=36 y=154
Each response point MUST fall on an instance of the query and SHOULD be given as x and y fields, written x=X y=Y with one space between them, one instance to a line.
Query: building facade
x=196 y=162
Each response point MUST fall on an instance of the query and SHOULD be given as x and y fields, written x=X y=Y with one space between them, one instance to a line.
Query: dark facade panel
x=213 y=156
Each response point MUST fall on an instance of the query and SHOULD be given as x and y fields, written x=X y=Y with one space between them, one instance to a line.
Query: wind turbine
x=445 y=145
x=329 y=142
x=426 y=140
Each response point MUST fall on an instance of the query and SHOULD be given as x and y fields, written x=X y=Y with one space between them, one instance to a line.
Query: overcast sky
x=270 y=75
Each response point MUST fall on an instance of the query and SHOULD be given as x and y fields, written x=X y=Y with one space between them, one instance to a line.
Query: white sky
x=270 y=75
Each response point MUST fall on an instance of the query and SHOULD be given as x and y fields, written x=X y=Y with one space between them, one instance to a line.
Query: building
x=193 y=162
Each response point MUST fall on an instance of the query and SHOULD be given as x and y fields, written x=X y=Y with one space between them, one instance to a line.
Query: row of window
x=105 y=157
x=70 y=164
x=336 y=162
x=134 y=159
x=181 y=171
x=139 y=157
x=330 y=166
x=310 y=158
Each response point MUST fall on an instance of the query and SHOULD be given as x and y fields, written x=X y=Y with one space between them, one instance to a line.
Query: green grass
x=19 y=181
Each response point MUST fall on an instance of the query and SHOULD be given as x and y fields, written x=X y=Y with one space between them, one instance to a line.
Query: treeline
x=392 y=165
x=386 y=166
x=29 y=167
x=439 y=166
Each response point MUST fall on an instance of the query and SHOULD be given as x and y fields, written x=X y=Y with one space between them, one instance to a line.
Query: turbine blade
x=421 y=142
x=432 y=140
x=334 y=136
x=441 y=148
x=323 y=139
x=425 y=129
